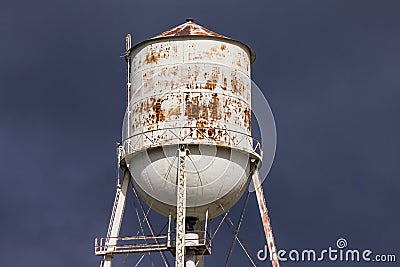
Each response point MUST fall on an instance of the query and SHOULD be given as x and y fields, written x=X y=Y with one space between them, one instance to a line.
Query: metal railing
x=192 y=135
x=130 y=244
x=133 y=244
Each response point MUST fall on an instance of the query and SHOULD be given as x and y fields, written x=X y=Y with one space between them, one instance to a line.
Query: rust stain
x=238 y=63
x=215 y=104
x=211 y=83
x=214 y=52
x=201 y=125
x=202 y=107
x=174 y=71
x=214 y=107
x=237 y=84
x=151 y=57
x=192 y=109
x=155 y=54
x=158 y=113
x=175 y=49
x=176 y=111
x=247 y=119
x=225 y=84
x=187 y=29
x=148 y=81
x=211 y=133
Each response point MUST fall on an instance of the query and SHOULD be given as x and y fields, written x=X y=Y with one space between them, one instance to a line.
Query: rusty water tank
x=190 y=86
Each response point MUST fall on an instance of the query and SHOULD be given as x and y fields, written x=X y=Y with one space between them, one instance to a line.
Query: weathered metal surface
x=193 y=30
x=215 y=177
x=194 y=91
x=207 y=111
x=189 y=28
x=201 y=83
x=178 y=135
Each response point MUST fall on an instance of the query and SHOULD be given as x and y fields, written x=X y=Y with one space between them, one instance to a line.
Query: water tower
x=187 y=146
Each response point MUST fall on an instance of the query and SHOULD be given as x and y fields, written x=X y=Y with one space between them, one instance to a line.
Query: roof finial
x=189 y=19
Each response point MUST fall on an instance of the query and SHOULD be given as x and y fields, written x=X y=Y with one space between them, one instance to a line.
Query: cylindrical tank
x=190 y=86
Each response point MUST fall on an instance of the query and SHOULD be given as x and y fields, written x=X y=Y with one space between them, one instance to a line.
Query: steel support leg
x=265 y=219
x=181 y=209
x=202 y=225
x=190 y=258
x=116 y=218
x=200 y=261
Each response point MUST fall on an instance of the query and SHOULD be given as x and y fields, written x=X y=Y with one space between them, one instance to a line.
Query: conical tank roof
x=190 y=28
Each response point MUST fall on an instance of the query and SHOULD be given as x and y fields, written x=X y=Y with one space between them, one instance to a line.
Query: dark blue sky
x=330 y=70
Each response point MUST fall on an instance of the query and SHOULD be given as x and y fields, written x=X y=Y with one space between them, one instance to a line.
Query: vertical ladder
x=181 y=209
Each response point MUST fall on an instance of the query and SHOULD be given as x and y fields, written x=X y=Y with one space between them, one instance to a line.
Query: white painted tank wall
x=195 y=91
